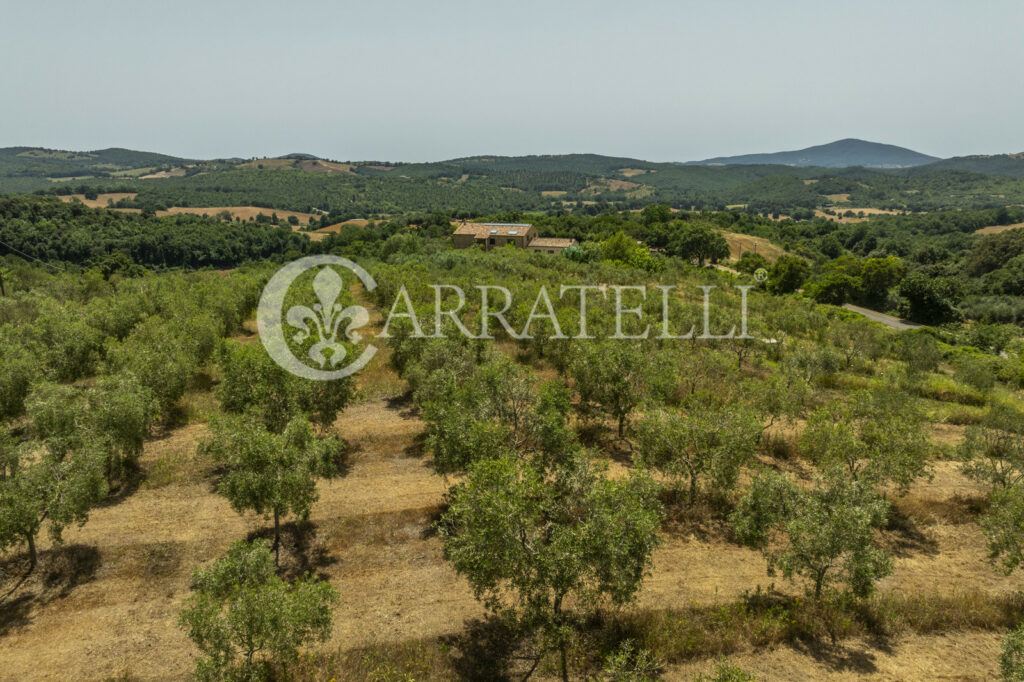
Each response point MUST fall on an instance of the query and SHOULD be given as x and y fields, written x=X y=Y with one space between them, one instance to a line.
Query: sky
x=391 y=80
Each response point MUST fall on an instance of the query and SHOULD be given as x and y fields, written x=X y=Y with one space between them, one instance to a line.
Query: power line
x=18 y=251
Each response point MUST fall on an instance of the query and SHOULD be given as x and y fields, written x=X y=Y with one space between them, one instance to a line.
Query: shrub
x=243 y=617
x=817 y=533
x=1011 y=659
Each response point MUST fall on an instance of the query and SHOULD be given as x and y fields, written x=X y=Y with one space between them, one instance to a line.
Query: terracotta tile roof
x=553 y=242
x=483 y=230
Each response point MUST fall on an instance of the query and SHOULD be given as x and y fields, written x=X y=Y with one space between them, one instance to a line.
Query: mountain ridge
x=839 y=154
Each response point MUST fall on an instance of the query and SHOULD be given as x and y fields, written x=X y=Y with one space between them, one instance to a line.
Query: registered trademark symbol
x=760 y=274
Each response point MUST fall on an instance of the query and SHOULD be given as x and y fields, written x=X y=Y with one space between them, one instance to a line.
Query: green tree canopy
x=243 y=617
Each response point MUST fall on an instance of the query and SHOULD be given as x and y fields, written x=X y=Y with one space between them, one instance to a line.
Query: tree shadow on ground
x=403 y=404
x=14 y=613
x=303 y=552
x=343 y=462
x=905 y=537
x=838 y=657
x=705 y=519
x=432 y=521
x=125 y=488
x=418 y=448
x=485 y=651
x=59 y=571
x=822 y=643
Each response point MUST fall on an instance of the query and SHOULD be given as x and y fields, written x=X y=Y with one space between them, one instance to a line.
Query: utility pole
x=3 y=292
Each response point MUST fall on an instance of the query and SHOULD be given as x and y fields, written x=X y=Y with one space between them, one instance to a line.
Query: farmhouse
x=490 y=235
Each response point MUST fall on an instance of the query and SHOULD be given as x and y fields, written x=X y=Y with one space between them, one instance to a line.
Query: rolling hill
x=1007 y=165
x=839 y=154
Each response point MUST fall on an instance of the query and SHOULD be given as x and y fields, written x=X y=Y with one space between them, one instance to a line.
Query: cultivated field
x=237 y=212
x=105 y=604
x=101 y=200
x=740 y=243
x=996 y=229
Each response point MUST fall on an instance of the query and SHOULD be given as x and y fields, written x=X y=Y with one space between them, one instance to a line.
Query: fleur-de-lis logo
x=324 y=319
x=321 y=322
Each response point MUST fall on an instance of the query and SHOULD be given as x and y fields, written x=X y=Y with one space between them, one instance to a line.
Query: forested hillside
x=487 y=184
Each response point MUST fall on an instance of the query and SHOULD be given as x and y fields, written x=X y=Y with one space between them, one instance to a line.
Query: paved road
x=887 y=320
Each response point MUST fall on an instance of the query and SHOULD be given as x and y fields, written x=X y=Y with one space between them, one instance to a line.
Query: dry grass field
x=239 y=212
x=739 y=243
x=101 y=200
x=995 y=229
x=842 y=218
x=172 y=173
x=105 y=604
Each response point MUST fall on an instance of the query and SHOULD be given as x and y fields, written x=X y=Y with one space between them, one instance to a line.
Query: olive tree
x=1003 y=524
x=252 y=382
x=20 y=368
x=824 y=533
x=534 y=541
x=858 y=339
x=706 y=446
x=993 y=451
x=58 y=415
x=40 y=487
x=611 y=376
x=476 y=411
x=244 y=617
x=121 y=412
x=875 y=438
x=271 y=474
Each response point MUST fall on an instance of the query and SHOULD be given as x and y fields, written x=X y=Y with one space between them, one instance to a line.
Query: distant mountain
x=839 y=154
x=1007 y=165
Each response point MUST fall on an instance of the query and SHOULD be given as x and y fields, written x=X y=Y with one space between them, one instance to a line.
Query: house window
x=492 y=241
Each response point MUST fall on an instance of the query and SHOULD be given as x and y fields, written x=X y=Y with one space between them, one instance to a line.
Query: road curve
x=887 y=320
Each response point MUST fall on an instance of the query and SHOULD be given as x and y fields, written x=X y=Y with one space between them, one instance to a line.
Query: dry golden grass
x=995 y=229
x=739 y=243
x=268 y=164
x=172 y=173
x=101 y=200
x=330 y=167
x=106 y=603
x=856 y=219
x=336 y=227
x=240 y=212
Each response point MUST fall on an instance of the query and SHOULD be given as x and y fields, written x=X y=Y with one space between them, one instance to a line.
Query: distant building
x=551 y=244
x=490 y=235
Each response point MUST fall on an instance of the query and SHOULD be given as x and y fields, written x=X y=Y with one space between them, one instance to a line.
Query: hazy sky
x=390 y=80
